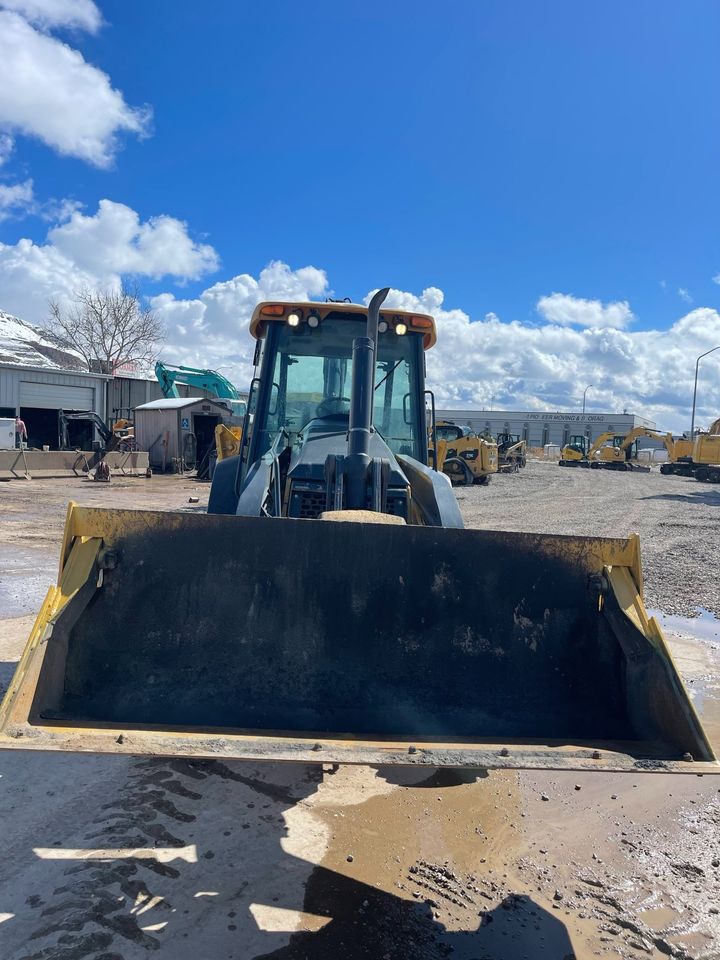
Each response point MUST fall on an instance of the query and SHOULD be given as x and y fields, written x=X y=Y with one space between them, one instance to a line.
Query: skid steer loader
x=462 y=455
x=330 y=607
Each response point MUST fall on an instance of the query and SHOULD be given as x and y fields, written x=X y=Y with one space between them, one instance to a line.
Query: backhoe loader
x=330 y=607
x=462 y=455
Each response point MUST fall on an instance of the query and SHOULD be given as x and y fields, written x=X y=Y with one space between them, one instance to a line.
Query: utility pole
x=584 y=395
x=697 y=364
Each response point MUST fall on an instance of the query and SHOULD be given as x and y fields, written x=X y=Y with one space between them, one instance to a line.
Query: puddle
x=695 y=646
x=705 y=626
x=25 y=575
x=658 y=918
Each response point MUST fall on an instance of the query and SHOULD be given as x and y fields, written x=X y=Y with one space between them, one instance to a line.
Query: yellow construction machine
x=512 y=452
x=699 y=458
x=330 y=607
x=612 y=451
x=464 y=456
x=227 y=441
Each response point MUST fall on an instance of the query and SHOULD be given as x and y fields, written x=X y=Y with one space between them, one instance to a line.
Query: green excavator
x=331 y=607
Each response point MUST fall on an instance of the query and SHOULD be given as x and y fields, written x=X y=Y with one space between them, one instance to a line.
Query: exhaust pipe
x=361 y=408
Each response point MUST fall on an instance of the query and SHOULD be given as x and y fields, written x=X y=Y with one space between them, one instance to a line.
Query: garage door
x=53 y=396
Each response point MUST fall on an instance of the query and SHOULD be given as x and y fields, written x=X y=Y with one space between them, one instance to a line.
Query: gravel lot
x=678 y=520
x=118 y=858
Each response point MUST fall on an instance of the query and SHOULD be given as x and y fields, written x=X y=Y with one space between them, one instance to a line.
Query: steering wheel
x=333 y=407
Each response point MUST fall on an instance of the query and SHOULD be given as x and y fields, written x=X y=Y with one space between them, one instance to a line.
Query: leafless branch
x=107 y=327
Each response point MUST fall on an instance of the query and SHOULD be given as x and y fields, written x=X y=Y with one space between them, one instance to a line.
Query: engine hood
x=328 y=435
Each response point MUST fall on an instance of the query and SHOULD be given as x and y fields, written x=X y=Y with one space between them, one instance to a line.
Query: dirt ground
x=116 y=858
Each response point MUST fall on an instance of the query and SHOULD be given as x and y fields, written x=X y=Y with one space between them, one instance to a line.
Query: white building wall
x=541 y=427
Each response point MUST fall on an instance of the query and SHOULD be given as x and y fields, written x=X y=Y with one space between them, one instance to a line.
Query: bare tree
x=107 y=327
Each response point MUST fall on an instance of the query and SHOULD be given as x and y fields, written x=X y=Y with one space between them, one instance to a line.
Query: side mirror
x=274 y=399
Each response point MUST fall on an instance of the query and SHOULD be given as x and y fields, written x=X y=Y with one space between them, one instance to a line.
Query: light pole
x=585 y=394
x=697 y=364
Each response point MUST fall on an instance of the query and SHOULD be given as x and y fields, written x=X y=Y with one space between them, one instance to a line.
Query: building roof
x=177 y=403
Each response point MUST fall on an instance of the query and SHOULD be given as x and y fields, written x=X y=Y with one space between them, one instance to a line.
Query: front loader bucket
x=219 y=636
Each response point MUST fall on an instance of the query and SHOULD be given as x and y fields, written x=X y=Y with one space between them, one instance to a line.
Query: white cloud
x=7 y=144
x=75 y=14
x=684 y=295
x=96 y=251
x=569 y=311
x=16 y=199
x=545 y=365
x=48 y=90
x=716 y=278
x=523 y=367
x=114 y=239
x=211 y=330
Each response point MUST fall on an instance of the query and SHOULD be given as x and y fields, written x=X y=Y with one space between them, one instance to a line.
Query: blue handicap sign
x=186 y=423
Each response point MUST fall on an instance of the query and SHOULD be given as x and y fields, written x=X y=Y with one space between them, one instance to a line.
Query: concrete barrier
x=36 y=464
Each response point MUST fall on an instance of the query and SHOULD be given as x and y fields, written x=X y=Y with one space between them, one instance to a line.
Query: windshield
x=312 y=375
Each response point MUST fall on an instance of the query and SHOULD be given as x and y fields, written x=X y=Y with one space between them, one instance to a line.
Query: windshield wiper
x=391 y=370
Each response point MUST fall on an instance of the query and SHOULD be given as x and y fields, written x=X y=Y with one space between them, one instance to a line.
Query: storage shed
x=179 y=431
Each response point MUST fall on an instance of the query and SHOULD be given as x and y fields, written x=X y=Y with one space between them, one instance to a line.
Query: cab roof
x=274 y=311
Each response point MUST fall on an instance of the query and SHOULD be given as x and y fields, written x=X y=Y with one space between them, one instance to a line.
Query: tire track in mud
x=105 y=907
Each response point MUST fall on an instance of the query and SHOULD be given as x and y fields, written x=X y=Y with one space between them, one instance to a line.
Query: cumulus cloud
x=15 y=199
x=545 y=365
x=523 y=367
x=7 y=144
x=96 y=250
x=49 y=91
x=569 y=311
x=74 y=14
x=114 y=238
x=214 y=326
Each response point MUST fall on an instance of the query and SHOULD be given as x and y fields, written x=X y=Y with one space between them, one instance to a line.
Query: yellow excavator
x=465 y=457
x=331 y=608
x=612 y=451
x=699 y=458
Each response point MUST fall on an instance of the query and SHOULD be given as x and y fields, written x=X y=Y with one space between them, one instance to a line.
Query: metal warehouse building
x=37 y=393
x=541 y=427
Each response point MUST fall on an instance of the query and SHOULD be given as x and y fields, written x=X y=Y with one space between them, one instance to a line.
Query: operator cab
x=308 y=372
x=452 y=431
x=579 y=443
x=299 y=406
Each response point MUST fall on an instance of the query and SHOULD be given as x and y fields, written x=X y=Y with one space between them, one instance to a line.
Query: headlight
x=293 y=319
x=382 y=326
x=313 y=320
x=400 y=328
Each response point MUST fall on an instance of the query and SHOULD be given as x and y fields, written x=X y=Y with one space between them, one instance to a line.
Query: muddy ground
x=113 y=858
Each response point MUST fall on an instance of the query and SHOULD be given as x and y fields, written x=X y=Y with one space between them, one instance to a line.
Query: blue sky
x=500 y=152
